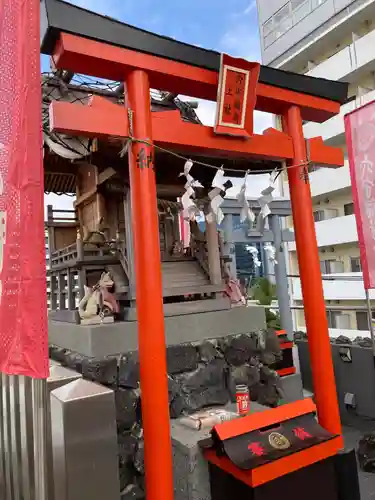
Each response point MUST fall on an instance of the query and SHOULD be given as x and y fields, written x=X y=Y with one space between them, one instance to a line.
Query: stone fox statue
x=98 y=301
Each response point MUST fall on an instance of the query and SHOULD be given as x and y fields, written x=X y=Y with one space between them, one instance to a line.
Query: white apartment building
x=333 y=39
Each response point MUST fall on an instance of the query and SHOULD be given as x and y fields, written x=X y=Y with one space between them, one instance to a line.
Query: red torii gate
x=83 y=42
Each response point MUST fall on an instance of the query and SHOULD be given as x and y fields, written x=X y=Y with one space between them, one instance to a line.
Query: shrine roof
x=59 y=17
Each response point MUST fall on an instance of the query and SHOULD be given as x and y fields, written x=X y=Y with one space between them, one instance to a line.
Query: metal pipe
x=281 y=277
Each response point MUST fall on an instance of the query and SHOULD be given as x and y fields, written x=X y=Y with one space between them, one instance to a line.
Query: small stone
x=128 y=375
x=126 y=401
x=181 y=358
x=101 y=370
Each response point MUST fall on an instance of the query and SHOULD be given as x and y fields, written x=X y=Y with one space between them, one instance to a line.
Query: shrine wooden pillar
x=311 y=280
x=151 y=337
x=212 y=239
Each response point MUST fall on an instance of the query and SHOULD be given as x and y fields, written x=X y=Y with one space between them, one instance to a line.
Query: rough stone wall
x=199 y=375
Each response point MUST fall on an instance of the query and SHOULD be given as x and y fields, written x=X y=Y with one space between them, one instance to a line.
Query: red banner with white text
x=23 y=305
x=360 y=137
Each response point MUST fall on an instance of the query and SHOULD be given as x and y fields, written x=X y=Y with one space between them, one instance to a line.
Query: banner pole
x=370 y=323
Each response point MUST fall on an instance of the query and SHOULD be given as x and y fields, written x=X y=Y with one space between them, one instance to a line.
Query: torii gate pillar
x=311 y=280
x=151 y=338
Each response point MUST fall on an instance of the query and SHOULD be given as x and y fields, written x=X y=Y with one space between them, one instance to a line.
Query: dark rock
x=255 y=391
x=174 y=388
x=139 y=457
x=181 y=358
x=206 y=386
x=343 y=340
x=239 y=350
x=242 y=375
x=196 y=400
x=365 y=342
x=126 y=401
x=268 y=395
x=267 y=375
x=127 y=444
x=74 y=361
x=101 y=370
x=357 y=339
x=128 y=374
x=267 y=358
x=132 y=492
x=366 y=452
x=208 y=352
x=58 y=354
x=210 y=375
x=272 y=342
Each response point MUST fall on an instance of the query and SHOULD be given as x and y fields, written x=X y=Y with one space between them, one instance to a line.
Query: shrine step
x=180 y=277
x=177 y=291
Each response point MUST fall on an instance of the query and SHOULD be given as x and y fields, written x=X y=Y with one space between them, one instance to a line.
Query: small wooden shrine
x=91 y=261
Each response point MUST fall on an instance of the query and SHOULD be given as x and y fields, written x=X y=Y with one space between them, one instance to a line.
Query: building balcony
x=340 y=286
x=333 y=130
x=327 y=181
x=336 y=231
x=350 y=62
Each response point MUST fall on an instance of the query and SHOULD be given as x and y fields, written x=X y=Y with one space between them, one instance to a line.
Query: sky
x=228 y=26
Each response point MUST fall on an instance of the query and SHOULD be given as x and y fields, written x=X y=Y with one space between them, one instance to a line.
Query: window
x=282 y=20
x=331 y=266
x=362 y=320
x=296 y=4
x=316 y=3
x=319 y=215
x=349 y=209
x=300 y=10
x=331 y=213
x=336 y=319
x=268 y=27
x=355 y=264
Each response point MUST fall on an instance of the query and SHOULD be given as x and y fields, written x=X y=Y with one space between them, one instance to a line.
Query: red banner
x=236 y=97
x=360 y=137
x=23 y=305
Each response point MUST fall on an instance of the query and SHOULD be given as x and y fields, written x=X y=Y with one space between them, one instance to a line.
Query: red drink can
x=243 y=399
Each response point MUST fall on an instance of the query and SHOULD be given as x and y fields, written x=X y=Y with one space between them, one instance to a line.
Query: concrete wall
x=356 y=378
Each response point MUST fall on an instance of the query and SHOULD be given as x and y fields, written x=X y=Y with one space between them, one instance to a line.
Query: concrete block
x=291 y=385
x=122 y=337
x=191 y=475
x=85 y=454
x=58 y=377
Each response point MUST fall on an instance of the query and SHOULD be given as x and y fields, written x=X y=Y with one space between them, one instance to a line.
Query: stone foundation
x=201 y=374
x=120 y=337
